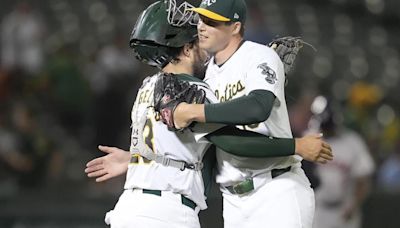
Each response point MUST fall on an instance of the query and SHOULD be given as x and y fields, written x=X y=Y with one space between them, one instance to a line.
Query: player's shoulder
x=149 y=79
x=191 y=79
x=353 y=140
x=257 y=50
x=350 y=134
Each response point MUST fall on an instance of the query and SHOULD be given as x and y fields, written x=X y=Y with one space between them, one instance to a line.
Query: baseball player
x=164 y=186
x=248 y=79
x=344 y=182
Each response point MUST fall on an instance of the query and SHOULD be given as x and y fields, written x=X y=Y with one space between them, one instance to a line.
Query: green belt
x=247 y=185
x=185 y=201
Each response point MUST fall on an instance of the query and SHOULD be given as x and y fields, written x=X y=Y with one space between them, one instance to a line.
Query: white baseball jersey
x=336 y=190
x=252 y=67
x=186 y=146
x=352 y=160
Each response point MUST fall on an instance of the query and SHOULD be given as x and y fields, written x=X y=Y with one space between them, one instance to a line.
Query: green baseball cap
x=223 y=10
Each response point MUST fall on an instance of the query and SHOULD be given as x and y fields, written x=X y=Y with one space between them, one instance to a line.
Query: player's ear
x=236 y=28
x=187 y=49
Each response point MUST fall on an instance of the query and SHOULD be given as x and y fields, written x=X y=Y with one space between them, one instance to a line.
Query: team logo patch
x=268 y=72
x=134 y=138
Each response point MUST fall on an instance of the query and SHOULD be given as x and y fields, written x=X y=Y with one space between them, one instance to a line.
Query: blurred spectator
x=345 y=181
x=116 y=58
x=68 y=91
x=363 y=97
x=112 y=77
x=32 y=143
x=4 y=86
x=389 y=173
x=299 y=114
x=12 y=161
x=255 y=29
x=22 y=36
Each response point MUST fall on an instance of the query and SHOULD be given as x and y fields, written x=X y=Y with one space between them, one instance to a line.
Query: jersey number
x=148 y=137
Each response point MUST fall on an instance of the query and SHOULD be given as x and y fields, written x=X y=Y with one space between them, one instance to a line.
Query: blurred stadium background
x=68 y=80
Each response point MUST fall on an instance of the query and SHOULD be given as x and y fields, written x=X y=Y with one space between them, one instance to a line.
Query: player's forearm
x=251 y=144
x=361 y=190
x=360 y=193
x=253 y=108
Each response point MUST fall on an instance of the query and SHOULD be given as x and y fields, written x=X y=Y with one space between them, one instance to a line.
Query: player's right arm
x=252 y=108
x=264 y=81
x=252 y=144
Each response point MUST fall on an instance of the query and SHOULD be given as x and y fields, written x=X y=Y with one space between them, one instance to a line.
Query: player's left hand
x=181 y=119
x=113 y=164
x=312 y=148
x=287 y=49
x=185 y=114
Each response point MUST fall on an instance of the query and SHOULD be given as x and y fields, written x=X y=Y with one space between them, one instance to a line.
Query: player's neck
x=222 y=56
x=178 y=68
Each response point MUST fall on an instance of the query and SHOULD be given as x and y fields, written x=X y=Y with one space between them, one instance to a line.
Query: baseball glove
x=169 y=92
x=287 y=48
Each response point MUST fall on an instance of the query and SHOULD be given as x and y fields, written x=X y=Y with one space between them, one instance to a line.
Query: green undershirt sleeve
x=208 y=171
x=250 y=144
x=253 y=108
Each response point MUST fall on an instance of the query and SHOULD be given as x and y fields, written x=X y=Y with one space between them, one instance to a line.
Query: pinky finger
x=97 y=173
x=103 y=178
x=321 y=160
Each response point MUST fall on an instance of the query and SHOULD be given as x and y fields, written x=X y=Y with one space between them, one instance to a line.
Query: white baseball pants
x=136 y=209
x=286 y=201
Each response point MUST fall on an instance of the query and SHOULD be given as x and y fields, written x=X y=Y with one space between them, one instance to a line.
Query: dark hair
x=241 y=31
x=177 y=51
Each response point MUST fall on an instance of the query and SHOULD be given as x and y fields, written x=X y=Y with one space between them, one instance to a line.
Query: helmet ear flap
x=153 y=54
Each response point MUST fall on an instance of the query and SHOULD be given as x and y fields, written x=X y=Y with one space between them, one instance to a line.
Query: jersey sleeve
x=200 y=130
x=265 y=72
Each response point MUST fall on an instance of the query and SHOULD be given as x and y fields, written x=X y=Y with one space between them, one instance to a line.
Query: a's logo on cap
x=208 y=2
x=236 y=16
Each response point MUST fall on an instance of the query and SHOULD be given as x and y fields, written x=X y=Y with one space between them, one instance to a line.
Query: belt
x=185 y=201
x=247 y=185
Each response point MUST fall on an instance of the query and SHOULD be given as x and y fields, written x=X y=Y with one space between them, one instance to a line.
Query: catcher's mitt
x=169 y=92
x=287 y=48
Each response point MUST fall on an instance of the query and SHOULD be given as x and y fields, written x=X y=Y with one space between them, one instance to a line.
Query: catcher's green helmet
x=161 y=30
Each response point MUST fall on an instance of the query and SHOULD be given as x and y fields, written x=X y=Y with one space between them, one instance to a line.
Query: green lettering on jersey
x=145 y=96
x=230 y=91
